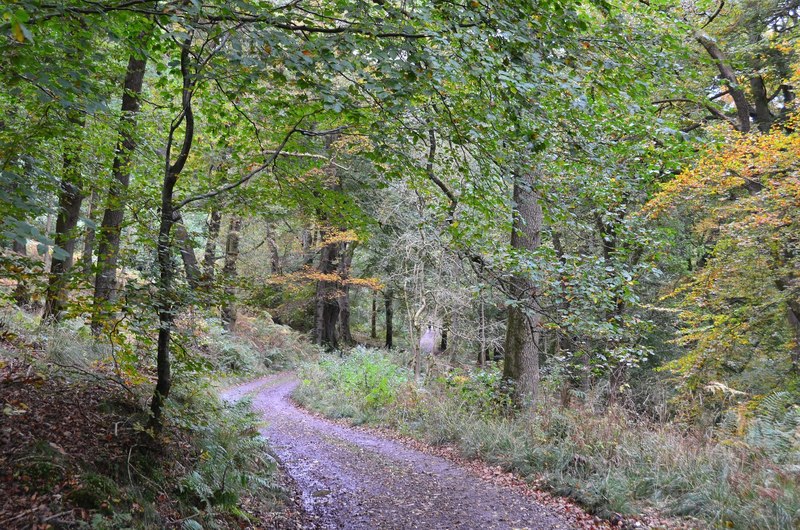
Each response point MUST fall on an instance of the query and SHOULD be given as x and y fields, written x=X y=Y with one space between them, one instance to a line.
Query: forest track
x=357 y=480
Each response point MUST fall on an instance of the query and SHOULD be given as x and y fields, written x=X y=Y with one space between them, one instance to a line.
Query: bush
x=259 y=346
x=363 y=384
x=209 y=456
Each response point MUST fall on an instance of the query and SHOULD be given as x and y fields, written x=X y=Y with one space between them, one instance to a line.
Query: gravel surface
x=357 y=480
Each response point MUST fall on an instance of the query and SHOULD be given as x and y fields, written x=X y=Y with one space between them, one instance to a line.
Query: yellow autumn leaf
x=16 y=29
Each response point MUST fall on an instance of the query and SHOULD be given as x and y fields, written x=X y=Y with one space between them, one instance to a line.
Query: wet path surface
x=355 y=480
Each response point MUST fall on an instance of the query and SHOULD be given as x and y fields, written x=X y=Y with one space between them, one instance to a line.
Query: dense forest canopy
x=601 y=198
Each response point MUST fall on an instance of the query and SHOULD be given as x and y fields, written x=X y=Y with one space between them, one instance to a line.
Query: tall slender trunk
x=327 y=301
x=190 y=266
x=165 y=296
x=48 y=229
x=69 y=212
x=373 y=320
x=482 y=351
x=793 y=317
x=388 y=304
x=523 y=332
x=89 y=236
x=22 y=295
x=445 y=331
x=229 y=272
x=308 y=246
x=344 y=293
x=274 y=254
x=210 y=253
x=111 y=226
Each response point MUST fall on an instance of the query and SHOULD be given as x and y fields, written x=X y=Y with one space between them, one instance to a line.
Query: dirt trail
x=356 y=480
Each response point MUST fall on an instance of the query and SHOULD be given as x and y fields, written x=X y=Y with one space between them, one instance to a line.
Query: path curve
x=355 y=480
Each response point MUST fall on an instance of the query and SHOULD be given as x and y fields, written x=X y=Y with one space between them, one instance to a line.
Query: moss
x=95 y=492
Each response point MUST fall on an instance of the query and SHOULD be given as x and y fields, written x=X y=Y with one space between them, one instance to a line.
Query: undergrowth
x=258 y=347
x=610 y=462
x=102 y=468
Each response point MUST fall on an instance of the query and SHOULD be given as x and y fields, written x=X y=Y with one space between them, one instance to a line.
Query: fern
x=776 y=427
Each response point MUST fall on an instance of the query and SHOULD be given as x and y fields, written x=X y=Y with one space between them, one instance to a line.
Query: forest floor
x=360 y=479
x=70 y=455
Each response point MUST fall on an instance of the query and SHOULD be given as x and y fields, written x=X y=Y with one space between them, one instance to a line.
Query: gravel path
x=355 y=480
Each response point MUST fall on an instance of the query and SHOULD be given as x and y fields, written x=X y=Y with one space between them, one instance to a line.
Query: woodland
x=560 y=237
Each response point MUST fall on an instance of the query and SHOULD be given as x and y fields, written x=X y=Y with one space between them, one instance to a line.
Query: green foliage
x=229 y=353
x=211 y=455
x=367 y=375
x=484 y=391
x=230 y=457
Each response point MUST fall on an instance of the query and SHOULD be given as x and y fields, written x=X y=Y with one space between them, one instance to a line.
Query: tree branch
x=247 y=177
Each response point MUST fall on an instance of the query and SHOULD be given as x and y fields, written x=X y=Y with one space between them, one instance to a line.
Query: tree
x=69 y=209
x=524 y=328
x=739 y=311
x=228 y=312
x=110 y=229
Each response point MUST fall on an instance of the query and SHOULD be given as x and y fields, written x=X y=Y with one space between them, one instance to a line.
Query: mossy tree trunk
x=348 y=249
x=388 y=304
x=210 y=253
x=229 y=272
x=189 y=258
x=523 y=332
x=327 y=299
x=89 y=236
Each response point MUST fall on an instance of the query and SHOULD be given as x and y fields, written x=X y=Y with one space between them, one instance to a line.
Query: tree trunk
x=788 y=96
x=327 y=300
x=761 y=98
x=69 y=212
x=482 y=353
x=190 y=266
x=22 y=296
x=738 y=95
x=275 y=266
x=348 y=249
x=88 y=238
x=165 y=296
x=445 y=332
x=111 y=226
x=210 y=255
x=48 y=229
x=388 y=303
x=229 y=273
x=524 y=316
x=308 y=247
x=373 y=321
x=793 y=316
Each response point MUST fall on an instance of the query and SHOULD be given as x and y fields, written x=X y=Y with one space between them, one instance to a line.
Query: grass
x=610 y=461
